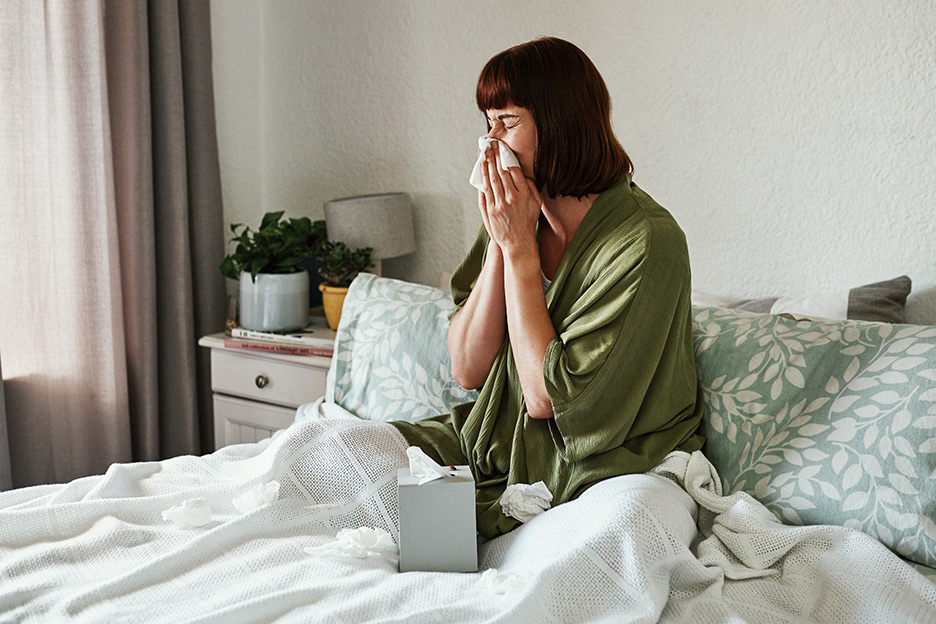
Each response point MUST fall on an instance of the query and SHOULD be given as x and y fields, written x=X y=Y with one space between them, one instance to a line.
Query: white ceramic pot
x=275 y=301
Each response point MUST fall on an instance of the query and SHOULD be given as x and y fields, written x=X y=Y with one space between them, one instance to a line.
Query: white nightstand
x=257 y=393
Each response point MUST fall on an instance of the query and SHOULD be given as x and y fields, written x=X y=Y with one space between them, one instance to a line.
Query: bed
x=813 y=500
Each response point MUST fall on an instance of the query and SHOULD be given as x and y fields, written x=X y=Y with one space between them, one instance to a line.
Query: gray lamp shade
x=384 y=222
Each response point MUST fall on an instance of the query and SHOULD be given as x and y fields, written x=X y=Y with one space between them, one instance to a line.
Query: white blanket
x=631 y=549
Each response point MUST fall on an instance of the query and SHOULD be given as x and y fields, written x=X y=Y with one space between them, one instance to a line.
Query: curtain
x=110 y=232
x=5 y=480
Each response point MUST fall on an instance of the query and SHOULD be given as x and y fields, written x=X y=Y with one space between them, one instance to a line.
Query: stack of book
x=316 y=339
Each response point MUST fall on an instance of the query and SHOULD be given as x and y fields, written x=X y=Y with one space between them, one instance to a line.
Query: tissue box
x=438 y=530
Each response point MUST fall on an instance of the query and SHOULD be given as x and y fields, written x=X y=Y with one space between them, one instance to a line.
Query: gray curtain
x=169 y=215
x=111 y=233
x=6 y=481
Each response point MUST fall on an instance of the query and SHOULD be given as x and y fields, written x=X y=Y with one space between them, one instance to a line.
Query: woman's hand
x=510 y=205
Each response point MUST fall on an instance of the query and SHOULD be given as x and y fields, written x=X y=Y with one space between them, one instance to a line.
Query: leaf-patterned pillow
x=391 y=357
x=825 y=422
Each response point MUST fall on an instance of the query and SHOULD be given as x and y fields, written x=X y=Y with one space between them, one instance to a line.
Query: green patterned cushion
x=391 y=357
x=825 y=422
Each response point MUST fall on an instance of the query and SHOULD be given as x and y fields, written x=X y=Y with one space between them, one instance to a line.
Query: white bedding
x=631 y=549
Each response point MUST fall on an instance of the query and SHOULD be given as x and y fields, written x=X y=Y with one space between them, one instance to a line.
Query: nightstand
x=257 y=393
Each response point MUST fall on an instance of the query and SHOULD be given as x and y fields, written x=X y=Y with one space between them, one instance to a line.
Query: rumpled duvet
x=663 y=546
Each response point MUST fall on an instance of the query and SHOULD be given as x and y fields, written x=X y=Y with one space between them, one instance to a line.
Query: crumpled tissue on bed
x=190 y=514
x=257 y=496
x=523 y=501
x=423 y=467
x=359 y=543
x=507 y=157
x=502 y=583
x=320 y=409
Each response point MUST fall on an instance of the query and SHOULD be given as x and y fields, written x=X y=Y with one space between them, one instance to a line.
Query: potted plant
x=274 y=287
x=339 y=265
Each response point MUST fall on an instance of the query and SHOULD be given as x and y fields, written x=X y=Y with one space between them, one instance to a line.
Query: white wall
x=794 y=141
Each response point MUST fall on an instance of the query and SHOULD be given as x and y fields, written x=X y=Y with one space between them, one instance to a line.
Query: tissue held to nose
x=507 y=158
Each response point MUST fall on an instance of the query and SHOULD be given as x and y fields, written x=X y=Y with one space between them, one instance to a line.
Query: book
x=314 y=335
x=272 y=347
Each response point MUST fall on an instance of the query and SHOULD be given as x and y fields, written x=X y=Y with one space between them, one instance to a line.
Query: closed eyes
x=508 y=121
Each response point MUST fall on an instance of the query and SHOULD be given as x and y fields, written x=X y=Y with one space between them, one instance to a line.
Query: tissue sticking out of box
x=423 y=467
x=359 y=543
x=257 y=496
x=191 y=514
x=523 y=501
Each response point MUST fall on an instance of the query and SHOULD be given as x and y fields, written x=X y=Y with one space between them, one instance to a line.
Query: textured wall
x=794 y=141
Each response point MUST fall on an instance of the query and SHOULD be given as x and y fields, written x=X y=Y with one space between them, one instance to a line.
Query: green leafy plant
x=340 y=264
x=278 y=246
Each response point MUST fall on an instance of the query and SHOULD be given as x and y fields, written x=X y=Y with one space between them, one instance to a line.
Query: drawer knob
x=262 y=381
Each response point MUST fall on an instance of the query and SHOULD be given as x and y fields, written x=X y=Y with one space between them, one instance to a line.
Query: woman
x=573 y=303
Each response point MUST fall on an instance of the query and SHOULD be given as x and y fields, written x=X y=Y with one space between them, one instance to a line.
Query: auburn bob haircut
x=577 y=153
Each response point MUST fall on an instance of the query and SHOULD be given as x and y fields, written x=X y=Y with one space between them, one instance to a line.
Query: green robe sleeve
x=622 y=367
x=466 y=274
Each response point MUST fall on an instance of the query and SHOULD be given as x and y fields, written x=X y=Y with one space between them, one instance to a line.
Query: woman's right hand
x=483 y=198
x=477 y=331
x=510 y=205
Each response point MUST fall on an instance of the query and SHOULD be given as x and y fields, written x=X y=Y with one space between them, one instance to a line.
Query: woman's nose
x=493 y=133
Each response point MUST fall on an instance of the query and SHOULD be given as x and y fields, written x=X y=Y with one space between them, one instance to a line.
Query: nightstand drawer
x=248 y=421
x=264 y=379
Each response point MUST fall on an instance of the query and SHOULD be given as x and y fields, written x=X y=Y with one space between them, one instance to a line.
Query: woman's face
x=514 y=126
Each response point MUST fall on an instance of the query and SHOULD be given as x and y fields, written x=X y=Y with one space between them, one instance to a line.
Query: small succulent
x=340 y=264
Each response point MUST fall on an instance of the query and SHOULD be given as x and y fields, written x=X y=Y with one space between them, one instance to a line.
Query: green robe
x=620 y=374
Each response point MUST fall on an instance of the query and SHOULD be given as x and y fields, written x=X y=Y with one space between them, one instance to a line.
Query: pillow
x=825 y=422
x=882 y=301
x=391 y=357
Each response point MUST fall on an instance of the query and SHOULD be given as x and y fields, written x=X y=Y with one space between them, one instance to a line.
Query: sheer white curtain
x=61 y=325
x=96 y=199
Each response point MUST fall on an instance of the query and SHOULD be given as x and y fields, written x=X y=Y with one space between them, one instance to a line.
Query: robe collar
x=606 y=202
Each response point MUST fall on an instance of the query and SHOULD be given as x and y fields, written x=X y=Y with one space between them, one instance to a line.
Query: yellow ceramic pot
x=332 y=300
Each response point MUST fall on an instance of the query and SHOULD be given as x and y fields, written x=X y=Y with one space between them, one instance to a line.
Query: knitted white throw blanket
x=629 y=550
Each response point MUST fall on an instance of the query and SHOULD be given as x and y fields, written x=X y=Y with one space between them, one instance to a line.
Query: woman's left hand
x=511 y=205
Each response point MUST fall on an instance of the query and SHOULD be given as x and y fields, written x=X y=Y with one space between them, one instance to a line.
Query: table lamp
x=383 y=221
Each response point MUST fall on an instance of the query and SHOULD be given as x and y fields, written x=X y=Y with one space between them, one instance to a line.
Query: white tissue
x=523 y=502
x=502 y=583
x=507 y=158
x=191 y=514
x=320 y=409
x=422 y=466
x=360 y=544
x=257 y=496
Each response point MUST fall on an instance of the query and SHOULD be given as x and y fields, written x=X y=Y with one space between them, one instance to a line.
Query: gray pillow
x=882 y=302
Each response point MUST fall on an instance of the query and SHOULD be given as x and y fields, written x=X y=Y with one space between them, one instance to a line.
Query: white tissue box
x=438 y=531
